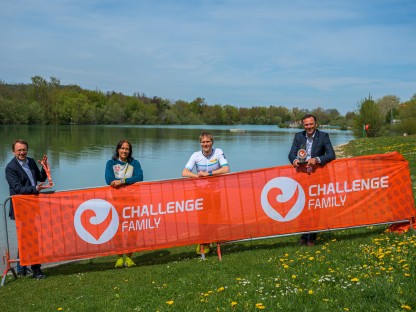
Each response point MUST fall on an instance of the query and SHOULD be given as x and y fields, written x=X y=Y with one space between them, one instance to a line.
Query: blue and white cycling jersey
x=207 y=163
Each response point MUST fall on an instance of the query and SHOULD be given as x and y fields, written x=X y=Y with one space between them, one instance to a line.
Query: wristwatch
x=210 y=173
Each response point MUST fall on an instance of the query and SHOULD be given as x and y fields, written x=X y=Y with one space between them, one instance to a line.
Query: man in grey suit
x=22 y=175
x=319 y=151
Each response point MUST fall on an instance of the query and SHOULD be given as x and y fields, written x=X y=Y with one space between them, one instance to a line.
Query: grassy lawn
x=350 y=270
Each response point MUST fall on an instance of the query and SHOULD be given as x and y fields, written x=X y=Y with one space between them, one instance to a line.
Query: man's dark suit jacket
x=19 y=182
x=321 y=146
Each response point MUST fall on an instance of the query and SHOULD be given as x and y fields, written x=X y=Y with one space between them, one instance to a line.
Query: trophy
x=302 y=154
x=45 y=164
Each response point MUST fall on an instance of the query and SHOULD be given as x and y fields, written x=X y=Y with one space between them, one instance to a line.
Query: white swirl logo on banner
x=283 y=199
x=96 y=221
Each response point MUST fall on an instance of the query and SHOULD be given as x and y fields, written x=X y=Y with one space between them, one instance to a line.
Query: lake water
x=78 y=154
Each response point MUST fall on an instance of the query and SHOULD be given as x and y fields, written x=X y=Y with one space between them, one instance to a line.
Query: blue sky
x=245 y=53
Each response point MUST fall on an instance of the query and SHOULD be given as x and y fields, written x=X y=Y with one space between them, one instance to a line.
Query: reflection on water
x=77 y=154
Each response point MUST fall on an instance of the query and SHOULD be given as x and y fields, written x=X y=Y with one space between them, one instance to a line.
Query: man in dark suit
x=22 y=175
x=319 y=151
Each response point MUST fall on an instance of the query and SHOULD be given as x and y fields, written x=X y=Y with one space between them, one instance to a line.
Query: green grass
x=350 y=270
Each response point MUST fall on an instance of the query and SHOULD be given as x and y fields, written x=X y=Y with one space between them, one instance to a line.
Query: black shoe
x=38 y=274
x=22 y=271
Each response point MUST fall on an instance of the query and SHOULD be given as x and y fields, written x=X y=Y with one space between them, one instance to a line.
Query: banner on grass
x=257 y=203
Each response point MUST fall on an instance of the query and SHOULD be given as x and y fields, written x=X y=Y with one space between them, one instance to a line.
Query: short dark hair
x=21 y=142
x=119 y=145
x=206 y=134
x=309 y=116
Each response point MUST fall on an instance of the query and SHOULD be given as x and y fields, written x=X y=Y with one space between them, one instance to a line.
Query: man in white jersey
x=208 y=162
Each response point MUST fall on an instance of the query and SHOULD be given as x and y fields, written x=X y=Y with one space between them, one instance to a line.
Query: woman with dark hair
x=122 y=169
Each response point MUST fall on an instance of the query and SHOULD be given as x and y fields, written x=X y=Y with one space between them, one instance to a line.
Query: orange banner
x=257 y=203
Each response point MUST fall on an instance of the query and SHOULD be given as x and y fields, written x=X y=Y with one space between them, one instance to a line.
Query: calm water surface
x=78 y=154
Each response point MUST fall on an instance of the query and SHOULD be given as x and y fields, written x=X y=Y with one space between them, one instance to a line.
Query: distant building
x=295 y=124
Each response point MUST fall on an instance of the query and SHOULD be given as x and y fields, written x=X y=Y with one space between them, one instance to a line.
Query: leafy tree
x=298 y=113
x=184 y=113
x=321 y=115
x=230 y=115
x=161 y=106
x=407 y=116
x=369 y=114
x=34 y=113
x=407 y=125
x=196 y=105
x=407 y=109
x=244 y=115
x=213 y=115
x=388 y=105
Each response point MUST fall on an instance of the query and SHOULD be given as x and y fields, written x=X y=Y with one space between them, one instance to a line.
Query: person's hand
x=203 y=174
x=296 y=163
x=41 y=186
x=116 y=183
x=311 y=162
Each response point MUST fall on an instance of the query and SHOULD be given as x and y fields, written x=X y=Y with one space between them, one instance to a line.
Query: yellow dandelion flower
x=354 y=279
x=406 y=307
x=407 y=274
x=238 y=279
x=285 y=266
x=220 y=289
x=169 y=302
x=311 y=258
x=59 y=309
x=310 y=292
x=233 y=304
x=260 y=306
x=346 y=309
x=294 y=276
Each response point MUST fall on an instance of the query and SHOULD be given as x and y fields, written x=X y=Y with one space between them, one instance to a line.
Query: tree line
x=49 y=102
x=385 y=116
